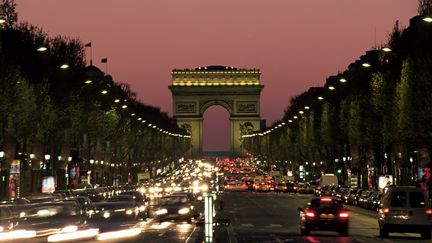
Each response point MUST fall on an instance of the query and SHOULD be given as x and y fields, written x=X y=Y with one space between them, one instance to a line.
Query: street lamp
x=42 y=49
x=64 y=66
x=2 y=154
x=386 y=49
x=2 y=21
x=427 y=19
x=342 y=80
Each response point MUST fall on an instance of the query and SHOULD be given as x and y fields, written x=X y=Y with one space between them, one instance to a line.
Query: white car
x=405 y=209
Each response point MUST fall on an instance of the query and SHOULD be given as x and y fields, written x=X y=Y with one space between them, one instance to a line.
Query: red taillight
x=429 y=212
x=309 y=214
x=344 y=215
x=386 y=210
x=326 y=199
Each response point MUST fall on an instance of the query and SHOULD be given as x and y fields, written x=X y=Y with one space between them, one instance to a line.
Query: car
x=137 y=202
x=291 y=187
x=116 y=210
x=51 y=217
x=174 y=207
x=324 y=213
x=280 y=187
x=405 y=209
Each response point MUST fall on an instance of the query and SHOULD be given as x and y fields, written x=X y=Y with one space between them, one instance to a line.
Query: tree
x=425 y=7
x=8 y=12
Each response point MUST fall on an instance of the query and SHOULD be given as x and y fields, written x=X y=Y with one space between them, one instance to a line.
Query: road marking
x=247 y=225
x=274 y=226
x=189 y=237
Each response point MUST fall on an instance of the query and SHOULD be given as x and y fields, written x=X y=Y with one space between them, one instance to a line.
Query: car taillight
x=386 y=210
x=309 y=214
x=344 y=215
x=429 y=212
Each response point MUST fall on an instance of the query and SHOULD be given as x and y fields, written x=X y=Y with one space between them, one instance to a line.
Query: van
x=328 y=180
x=405 y=209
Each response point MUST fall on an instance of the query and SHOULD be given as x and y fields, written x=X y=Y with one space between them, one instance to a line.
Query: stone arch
x=237 y=90
x=227 y=104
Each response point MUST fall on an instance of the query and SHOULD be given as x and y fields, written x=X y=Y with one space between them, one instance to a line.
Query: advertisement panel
x=385 y=181
x=48 y=184
x=14 y=179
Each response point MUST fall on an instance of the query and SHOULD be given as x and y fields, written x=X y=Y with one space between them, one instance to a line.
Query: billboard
x=48 y=184
x=385 y=181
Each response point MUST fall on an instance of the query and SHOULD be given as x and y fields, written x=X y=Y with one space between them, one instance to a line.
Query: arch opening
x=216 y=129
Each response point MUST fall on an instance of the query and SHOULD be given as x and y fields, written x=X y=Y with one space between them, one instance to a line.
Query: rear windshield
x=417 y=200
x=399 y=199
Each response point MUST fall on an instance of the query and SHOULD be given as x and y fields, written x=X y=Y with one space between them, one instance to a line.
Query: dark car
x=135 y=197
x=324 y=214
x=291 y=187
x=353 y=196
x=174 y=207
x=51 y=217
x=115 y=210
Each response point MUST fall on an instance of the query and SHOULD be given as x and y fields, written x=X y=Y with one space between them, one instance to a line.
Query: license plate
x=327 y=216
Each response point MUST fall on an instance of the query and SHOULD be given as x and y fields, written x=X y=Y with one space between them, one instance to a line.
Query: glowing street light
x=42 y=49
x=104 y=91
x=320 y=97
x=331 y=88
x=427 y=19
x=301 y=112
x=366 y=65
x=2 y=21
x=386 y=49
x=124 y=106
x=64 y=66
x=307 y=107
x=88 y=81
x=342 y=80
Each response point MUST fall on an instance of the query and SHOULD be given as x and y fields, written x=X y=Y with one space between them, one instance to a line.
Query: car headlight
x=1 y=228
x=69 y=229
x=161 y=211
x=22 y=214
x=129 y=211
x=106 y=215
x=45 y=212
x=141 y=208
x=184 y=211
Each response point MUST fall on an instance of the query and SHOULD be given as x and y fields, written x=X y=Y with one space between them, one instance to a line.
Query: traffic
x=175 y=200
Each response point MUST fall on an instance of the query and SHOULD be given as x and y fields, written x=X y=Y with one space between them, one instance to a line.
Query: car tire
x=383 y=232
x=426 y=234
x=304 y=231
x=343 y=232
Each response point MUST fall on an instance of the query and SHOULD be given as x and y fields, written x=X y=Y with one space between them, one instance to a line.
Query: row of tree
x=376 y=114
x=45 y=107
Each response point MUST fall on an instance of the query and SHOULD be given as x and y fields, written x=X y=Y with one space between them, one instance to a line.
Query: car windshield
x=172 y=200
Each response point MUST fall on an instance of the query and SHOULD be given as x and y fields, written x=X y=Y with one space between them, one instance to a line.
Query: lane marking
x=189 y=237
x=274 y=226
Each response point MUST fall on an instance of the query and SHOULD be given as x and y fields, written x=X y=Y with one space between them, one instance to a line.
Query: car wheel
x=343 y=232
x=426 y=234
x=304 y=231
x=383 y=232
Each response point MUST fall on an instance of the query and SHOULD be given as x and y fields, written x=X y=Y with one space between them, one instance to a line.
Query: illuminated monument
x=237 y=90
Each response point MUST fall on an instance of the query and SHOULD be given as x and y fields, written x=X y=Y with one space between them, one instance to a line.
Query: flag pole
x=91 y=54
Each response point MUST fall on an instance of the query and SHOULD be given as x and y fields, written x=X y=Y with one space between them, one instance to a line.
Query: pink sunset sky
x=295 y=43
